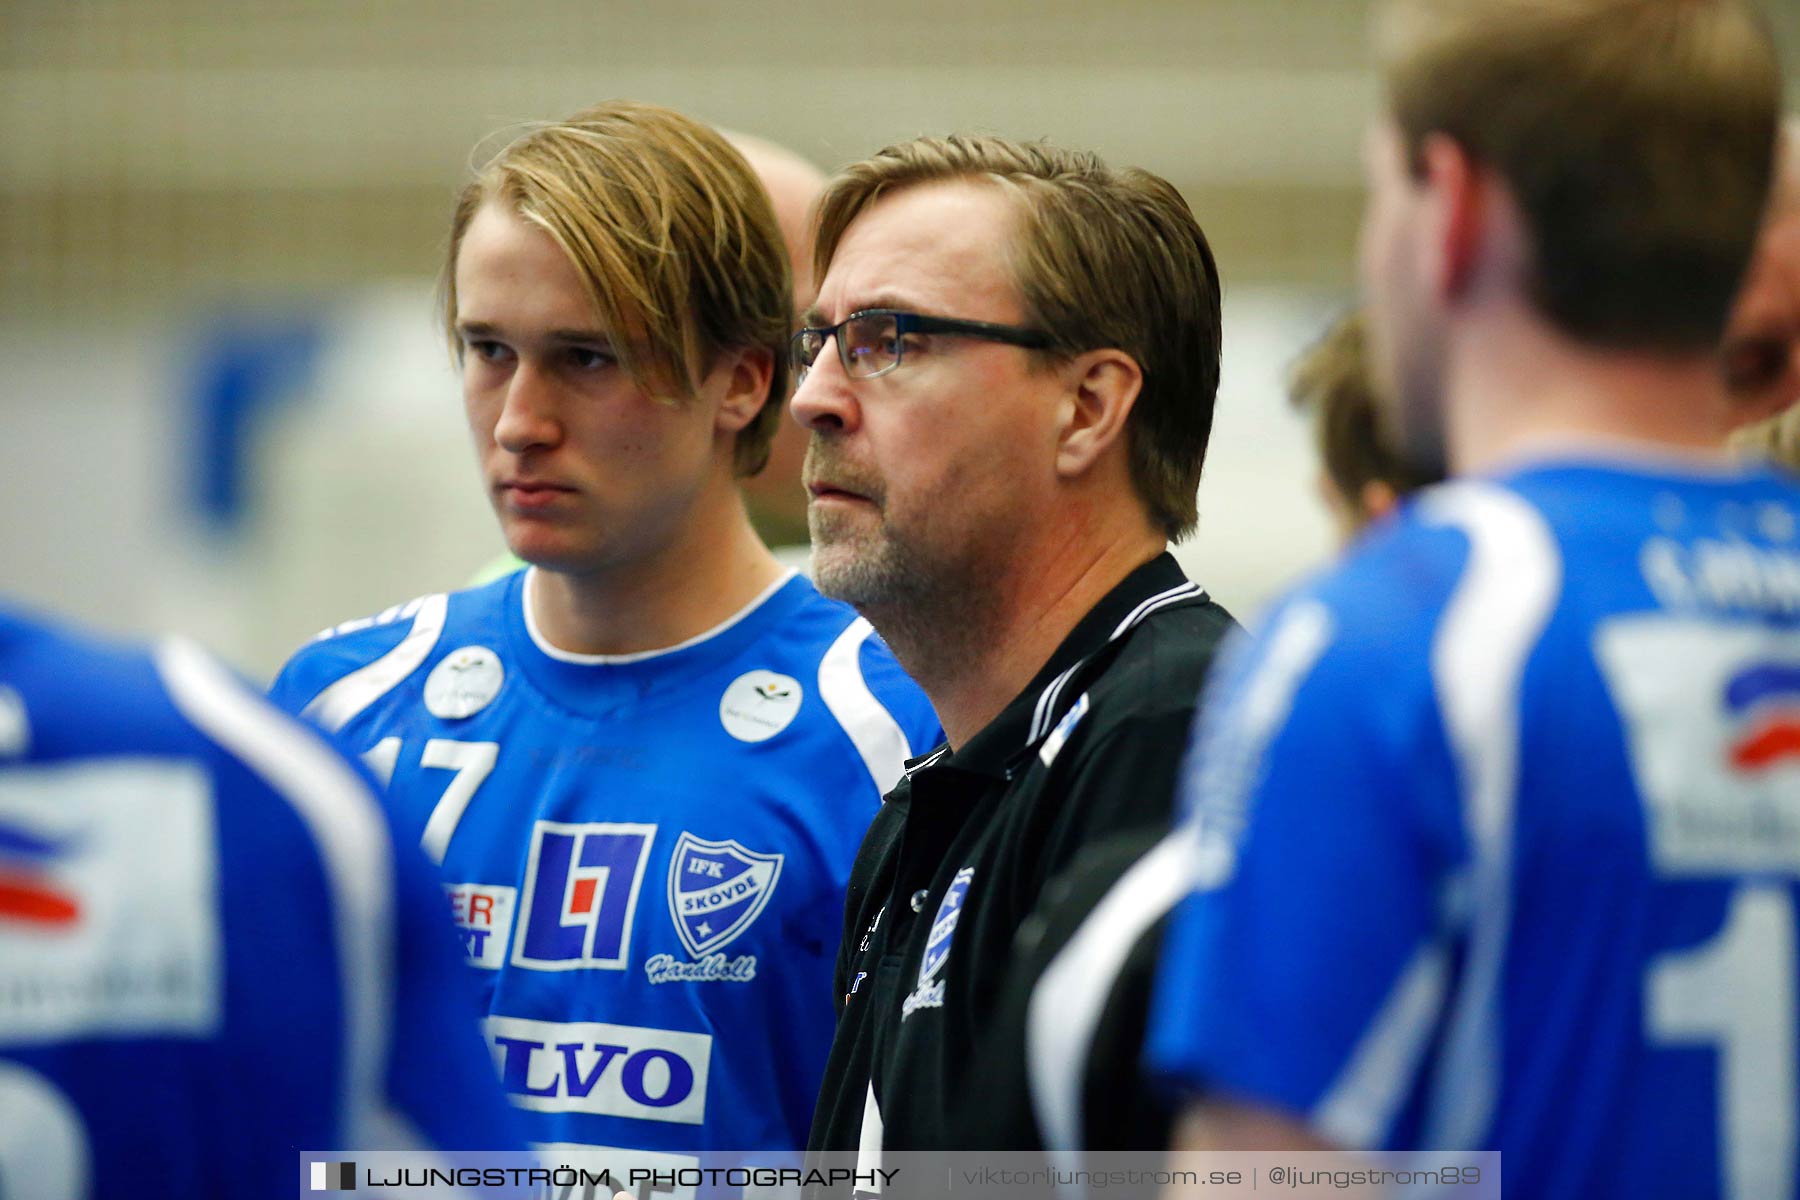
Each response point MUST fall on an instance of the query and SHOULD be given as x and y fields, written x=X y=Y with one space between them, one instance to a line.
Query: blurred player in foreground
x=644 y=763
x=213 y=953
x=1071 y=1018
x=1494 y=830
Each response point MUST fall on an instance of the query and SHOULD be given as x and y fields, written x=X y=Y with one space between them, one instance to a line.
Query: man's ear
x=1377 y=499
x=744 y=387
x=1457 y=197
x=1103 y=388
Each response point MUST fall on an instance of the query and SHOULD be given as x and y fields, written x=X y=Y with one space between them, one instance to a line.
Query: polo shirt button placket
x=918 y=900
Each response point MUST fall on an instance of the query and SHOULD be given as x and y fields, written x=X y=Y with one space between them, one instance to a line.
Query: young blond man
x=645 y=762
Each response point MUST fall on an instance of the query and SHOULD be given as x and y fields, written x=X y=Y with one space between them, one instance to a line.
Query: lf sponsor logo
x=614 y=1070
x=483 y=916
x=930 y=991
x=581 y=889
x=717 y=890
x=333 y=1177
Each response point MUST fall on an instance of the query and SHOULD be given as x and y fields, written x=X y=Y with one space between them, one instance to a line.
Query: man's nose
x=825 y=399
x=528 y=417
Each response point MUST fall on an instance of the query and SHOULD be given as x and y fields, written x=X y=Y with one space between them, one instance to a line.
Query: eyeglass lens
x=871 y=344
x=867 y=345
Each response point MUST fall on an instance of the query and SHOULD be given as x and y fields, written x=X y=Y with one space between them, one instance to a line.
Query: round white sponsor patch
x=464 y=683
x=757 y=705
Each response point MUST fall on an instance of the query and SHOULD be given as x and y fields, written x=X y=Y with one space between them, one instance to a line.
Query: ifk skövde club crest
x=937 y=945
x=717 y=890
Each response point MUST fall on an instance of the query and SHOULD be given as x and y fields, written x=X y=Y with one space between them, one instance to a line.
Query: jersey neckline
x=599 y=686
x=1641 y=459
x=569 y=656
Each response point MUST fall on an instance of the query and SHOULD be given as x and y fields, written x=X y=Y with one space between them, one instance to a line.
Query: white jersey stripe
x=1046 y=704
x=877 y=737
x=334 y=707
x=1490 y=627
x=1152 y=603
x=1070 y=995
x=930 y=760
x=1043 y=713
x=1493 y=620
x=354 y=849
x=1361 y=1104
x=868 y=1148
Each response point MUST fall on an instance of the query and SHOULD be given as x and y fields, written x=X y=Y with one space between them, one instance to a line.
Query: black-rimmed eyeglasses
x=872 y=342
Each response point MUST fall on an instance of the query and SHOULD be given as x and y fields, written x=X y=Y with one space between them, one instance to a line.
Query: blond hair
x=1332 y=380
x=1636 y=137
x=1101 y=259
x=671 y=234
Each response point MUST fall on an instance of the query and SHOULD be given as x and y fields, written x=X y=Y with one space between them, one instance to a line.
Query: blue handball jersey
x=647 y=853
x=212 y=957
x=1496 y=829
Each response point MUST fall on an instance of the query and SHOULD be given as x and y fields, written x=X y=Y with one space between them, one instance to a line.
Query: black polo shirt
x=964 y=845
x=1088 y=971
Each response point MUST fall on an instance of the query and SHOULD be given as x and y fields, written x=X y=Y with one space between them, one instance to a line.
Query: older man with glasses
x=1008 y=432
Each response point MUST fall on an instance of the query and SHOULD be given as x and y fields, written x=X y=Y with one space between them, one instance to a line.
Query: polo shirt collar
x=1031 y=714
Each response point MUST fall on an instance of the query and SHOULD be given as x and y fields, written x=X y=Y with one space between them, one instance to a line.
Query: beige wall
x=163 y=161
x=158 y=148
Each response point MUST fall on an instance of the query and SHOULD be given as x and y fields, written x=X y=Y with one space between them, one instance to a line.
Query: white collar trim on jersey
x=1629 y=454
x=569 y=656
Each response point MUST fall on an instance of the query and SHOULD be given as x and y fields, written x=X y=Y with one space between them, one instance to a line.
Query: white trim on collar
x=569 y=656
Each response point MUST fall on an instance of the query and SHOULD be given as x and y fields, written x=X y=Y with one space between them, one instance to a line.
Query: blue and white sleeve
x=880 y=709
x=439 y=1077
x=1304 y=971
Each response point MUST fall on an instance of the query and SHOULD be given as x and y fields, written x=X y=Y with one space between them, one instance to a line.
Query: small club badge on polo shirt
x=757 y=705
x=464 y=683
x=930 y=991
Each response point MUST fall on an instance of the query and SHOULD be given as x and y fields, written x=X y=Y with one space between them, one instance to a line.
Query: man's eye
x=486 y=350
x=586 y=359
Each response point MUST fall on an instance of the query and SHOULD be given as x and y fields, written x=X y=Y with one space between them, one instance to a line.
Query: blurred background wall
x=226 y=409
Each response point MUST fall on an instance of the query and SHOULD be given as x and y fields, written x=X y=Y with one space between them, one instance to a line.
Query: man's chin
x=548 y=553
x=834 y=569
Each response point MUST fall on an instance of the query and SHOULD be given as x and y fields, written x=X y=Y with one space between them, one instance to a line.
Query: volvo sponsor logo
x=592 y=1067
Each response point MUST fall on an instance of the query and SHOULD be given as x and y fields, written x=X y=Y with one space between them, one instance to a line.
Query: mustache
x=825 y=463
